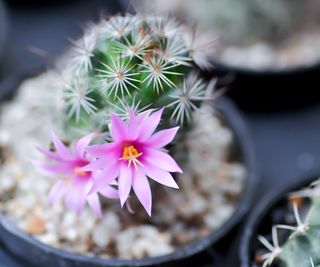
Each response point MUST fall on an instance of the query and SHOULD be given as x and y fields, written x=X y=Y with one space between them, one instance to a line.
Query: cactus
x=137 y=62
x=302 y=247
x=119 y=80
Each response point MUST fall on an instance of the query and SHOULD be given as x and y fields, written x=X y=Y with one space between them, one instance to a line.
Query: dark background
x=282 y=109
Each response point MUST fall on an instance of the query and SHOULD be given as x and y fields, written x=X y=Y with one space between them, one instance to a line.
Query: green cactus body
x=302 y=247
x=298 y=250
x=130 y=61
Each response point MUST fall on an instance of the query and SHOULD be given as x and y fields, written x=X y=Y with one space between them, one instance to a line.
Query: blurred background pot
x=40 y=31
x=259 y=47
x=3 y=31
x=271 y=91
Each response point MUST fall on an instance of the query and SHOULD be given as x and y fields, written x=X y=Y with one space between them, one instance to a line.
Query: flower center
x=131 y=154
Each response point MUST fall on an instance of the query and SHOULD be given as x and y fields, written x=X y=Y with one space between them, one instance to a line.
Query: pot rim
x=262 y=72
x=231 y=116
x=263 y=208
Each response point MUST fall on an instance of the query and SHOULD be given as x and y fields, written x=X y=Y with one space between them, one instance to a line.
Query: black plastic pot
x=271 y=90
x=3 y=29
x=264 y=215
x=38 y=12
x=33 y=3
x=194 y=254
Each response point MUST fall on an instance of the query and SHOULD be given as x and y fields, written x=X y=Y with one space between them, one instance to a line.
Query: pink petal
x=109 y=192
x=57 y=191
x=118 y=129
x=135 y=122
x=81 y=144
x=142 y=189
x=76 y=198
x=61 y=148
x=102 y=150
x=142 y=115
x=51 y=170
x=94 y=203
x=96 y=165
x=106 y=176
x=162 y=160
x=49 y=154
x=162 y=138
x=124 y=183
x=160 y=176
x=149 y=125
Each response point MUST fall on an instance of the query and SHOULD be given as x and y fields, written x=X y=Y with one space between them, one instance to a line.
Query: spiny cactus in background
x=133 y=62
x=302 y=247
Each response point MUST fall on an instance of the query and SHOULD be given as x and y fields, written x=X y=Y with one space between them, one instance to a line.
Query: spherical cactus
x=302 y=247
x=133 y=62
x=122 y=79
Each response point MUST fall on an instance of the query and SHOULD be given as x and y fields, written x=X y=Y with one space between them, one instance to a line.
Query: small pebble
x=106 y=229
x=35 y=225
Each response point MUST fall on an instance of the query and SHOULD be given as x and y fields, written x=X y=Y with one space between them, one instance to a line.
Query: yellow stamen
x=80 y=172
x=131 y=154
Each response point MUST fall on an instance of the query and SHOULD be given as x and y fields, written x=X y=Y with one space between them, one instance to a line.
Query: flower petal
x=140 y=116
x=76 y=198
x=109 y=192
x=124 y=183
x=149 y=125
x=102 y=150
x=162 y=160
x=162 y=138
x=133 y=125
x=62 y=151
x=49 y=154
x=135 y=122
x=51 y=170
x=94 y=203
x=142 y=189
x=118 y=129
x=57 y=191
x=95 y=165
x=160 y=176
x=82 y=143
x=106 y=176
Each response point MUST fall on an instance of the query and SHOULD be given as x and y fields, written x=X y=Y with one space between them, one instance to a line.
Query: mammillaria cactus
x=131 y=61
x=121 y=78
x=302 y=247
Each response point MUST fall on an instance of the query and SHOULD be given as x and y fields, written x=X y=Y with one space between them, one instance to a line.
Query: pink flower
x=73 y=183
x=135 y=154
